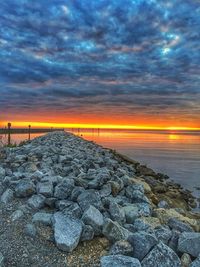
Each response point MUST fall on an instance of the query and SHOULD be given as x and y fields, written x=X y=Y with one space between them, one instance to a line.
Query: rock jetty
x=66 y=201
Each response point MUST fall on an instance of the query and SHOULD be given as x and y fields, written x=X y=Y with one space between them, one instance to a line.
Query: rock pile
x=82 y=191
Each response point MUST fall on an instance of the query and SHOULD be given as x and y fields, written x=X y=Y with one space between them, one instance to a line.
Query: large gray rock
x=117 y=213
x=119 y=261
x=114 y=232
x=67 y=231
x=179 y=226
x=121 y=247
x=7 y=196
x=189 y=243
x=36 y=202
x=135 y=192
x=25 y=188
x=161 y=256
x=89 y=197
x=64 y=189
x=46 y=189
x=163 y=233
x=142 y=243
x=93 y=217
x=195 y=263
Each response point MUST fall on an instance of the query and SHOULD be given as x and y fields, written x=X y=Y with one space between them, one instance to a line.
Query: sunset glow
x=123 y=64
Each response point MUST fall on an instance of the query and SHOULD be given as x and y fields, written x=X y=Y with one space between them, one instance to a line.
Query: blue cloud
x=132 y=53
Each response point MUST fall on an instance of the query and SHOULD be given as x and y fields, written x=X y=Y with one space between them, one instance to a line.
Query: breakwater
x=84 y=205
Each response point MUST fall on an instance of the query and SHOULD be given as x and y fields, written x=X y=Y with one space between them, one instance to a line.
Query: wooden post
x=9 y=133
x=29 y=132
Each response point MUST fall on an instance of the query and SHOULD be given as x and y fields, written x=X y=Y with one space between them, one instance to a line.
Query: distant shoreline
x=26 y=130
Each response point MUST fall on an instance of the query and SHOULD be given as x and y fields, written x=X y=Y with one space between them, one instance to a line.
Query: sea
x=174 y=153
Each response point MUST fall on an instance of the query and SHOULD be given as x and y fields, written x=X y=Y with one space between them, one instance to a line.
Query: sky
x=103 y=63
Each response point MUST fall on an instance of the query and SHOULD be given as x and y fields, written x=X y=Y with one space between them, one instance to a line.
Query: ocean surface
x=175 y=153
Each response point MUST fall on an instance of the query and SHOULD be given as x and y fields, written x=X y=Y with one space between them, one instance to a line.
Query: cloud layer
x=60 y=57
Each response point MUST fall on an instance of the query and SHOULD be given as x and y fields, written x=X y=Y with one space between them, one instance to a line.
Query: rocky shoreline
x=66 y=201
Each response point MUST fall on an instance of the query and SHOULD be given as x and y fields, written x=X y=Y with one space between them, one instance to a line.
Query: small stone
x=30 y=230
x=7 y=196
x=46 y=189
x=189 y=243
x=16 y=215
x=114 y=232
x=94 y=218
x=67 y=232
x=163 y=204
x=2 y=173
x=36 y=202
x=142 y=243
x=87 y=233
x=42 y=217
x=121 y=247
x=119 y=261
x=161 y=256
x=179 y=226
x=185 y=260
x=25 y=188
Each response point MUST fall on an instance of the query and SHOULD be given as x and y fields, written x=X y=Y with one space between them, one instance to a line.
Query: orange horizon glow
x=35 y=124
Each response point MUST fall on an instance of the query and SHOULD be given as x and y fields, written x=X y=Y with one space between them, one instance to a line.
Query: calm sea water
x=174 y=153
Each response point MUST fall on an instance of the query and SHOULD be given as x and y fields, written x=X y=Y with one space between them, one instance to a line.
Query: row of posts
x=9 y=133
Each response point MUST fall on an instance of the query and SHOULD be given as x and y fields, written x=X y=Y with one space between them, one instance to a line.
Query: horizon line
x=18 y=124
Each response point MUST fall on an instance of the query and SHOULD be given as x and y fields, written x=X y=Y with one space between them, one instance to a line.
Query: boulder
x=36 y=202
x=179 y=225
x=163 y=233
x=119 y=261
x=7 y=196
x=89 y=197
x=114 y=232
x=142 y=243
x=46 y=189
x=189 y=243
x=161 y=256
x=117 y=213
x=64 y=189
x=73 y=210
x=94 y=218
x=67 y=231
x=24 y=188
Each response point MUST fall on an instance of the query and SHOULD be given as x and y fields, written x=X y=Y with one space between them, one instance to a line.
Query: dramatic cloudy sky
x=127 y=62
